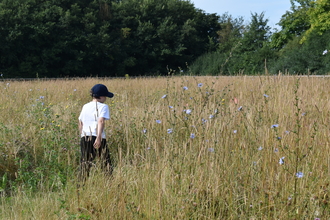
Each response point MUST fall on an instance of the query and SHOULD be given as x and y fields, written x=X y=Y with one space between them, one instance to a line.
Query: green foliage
x=319 y=16
x=241 y=50
x=255 y=46
x=53 y=39
x=304 y=58
x=300 y=43
x=230 y=33
x=46 y=166
x=104 y=38
x=293 y=23
x=151 y=37
x=161 y=35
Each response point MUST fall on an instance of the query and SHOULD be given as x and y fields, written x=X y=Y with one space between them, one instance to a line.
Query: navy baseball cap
x=101 y=90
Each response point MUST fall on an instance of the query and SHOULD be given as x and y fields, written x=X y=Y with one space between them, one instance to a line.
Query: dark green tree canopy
x=53 y=38
x=105 y=38
x=161 y=34
x=47 y=38
x=242 y=49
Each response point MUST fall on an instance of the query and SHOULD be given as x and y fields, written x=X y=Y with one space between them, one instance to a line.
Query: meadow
x=182 y=148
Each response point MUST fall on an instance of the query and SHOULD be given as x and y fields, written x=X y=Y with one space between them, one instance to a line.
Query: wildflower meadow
x=181 y=147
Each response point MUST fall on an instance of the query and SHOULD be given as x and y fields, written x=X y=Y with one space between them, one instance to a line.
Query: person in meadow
x=91 y=127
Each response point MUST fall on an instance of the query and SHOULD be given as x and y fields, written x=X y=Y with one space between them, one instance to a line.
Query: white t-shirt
x=89 y=116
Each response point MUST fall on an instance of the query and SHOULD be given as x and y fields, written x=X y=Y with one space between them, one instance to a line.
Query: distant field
x=182 y=148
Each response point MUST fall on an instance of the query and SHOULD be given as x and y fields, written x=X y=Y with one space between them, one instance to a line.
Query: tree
x=101 y=37
x=254 y=49
x=300 y=42
x=226 y=42
x=230 y=33
x=241 y=49
x=293 y=23
x=319 y=17
x=307 y=57
x=161 y=34
x=55 y=38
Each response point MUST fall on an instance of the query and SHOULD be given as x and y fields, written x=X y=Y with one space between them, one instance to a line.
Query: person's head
x=100 y=93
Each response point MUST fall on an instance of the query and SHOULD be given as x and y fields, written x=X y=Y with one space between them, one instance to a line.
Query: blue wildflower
x=144 y=131
x=158 y=121
x=170 y=106
x=211 y=150
x=169 y=131
x=211 y=116
x=192 y=135
x=188 y=111
x=274 y=126
x=299 y=174
x=240 y=108
x=200 y=84
x=164 y=96
x=185 y=88
x=266 y=95
x=235 y=131
x=281 y=161
x=260 y=148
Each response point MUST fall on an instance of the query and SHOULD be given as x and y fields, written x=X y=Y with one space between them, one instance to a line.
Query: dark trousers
x=89 y=154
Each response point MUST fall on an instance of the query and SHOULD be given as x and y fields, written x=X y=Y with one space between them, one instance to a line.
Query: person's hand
x=97 y=143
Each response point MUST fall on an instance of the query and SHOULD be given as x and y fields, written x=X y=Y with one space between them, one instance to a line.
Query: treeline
x=64 y=38
x=300 y=47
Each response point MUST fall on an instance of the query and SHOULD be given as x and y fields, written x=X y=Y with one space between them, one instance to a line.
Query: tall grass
x=182 y=148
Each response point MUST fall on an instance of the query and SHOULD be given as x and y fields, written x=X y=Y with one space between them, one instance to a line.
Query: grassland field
x=181 y=147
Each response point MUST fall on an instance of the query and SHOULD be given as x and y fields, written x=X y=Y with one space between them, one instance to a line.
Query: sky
x=273 y=9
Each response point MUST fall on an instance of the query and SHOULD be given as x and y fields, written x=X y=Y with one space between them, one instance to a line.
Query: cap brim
x=110 y=95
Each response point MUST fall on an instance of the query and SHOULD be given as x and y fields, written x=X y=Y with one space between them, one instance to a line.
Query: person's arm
x=100 y=127
x=80 y=125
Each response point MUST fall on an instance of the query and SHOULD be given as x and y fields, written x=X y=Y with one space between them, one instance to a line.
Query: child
x=91 y=126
